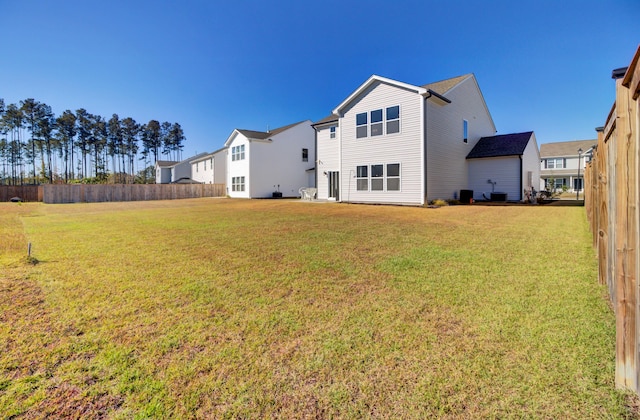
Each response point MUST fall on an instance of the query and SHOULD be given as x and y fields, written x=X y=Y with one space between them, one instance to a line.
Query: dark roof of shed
x=502 y=145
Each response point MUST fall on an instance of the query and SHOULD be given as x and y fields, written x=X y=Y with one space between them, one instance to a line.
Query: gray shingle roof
x=502 y=145
x=327 y=119
x=262 y=135
x=166 y=163
x=565 y=148
x=444 y=86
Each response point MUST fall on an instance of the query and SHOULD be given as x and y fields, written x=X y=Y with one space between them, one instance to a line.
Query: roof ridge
x=447 y=84
x=272 y=132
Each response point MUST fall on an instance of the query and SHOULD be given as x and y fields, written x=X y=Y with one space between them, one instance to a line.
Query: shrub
x=439 y=202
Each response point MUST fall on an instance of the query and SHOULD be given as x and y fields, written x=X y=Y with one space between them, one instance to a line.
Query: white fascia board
x=373 y=79
x=232 y=137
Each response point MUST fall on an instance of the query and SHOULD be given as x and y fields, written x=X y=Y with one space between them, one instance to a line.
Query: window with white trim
x=377 y=177
x=237 y=183
x=555 y=163
x=362 y=178
x=362 y=128
x=393 y=177
x=393 y=119
x=378 y=122
x=465 y=131
x=204 y=162
x=332 y=132
x=197 y=163
x=305 y=155
x=237 y=152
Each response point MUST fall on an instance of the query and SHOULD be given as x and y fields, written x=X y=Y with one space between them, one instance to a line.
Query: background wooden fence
x=24 y=192
x=95 y=193
x=611 y=203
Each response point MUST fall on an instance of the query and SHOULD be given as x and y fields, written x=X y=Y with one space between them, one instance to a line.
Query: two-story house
x=261 y=163
x=397 y=143
x=562 y=164
x=169 y=171
x=210 y=168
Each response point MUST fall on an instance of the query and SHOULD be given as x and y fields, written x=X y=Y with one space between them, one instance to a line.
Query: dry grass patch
x=236 y=308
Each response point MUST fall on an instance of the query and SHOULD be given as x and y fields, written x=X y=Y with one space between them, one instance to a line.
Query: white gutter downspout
x=423 y=150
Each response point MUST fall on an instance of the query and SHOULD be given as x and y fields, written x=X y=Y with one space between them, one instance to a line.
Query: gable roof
x=446 y=85
x=260 y=135
x=502 y=145
x=565 y=148
x=327 y=119
x=166 y=163
x=437 y=89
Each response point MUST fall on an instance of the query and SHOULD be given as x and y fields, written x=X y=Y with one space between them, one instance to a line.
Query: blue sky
x=214 y=66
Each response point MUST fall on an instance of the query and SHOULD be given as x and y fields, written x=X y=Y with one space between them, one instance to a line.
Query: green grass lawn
x=218 y=308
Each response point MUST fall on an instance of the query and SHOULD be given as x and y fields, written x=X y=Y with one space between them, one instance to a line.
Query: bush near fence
x=24 y=192
x=97 y=193
x=611 y=203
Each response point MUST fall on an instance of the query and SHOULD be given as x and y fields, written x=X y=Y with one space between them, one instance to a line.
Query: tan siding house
x=559 y=164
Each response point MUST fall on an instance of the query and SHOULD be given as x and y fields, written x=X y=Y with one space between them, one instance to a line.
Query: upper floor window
x=205 y=165
x=465 y=131
x=393 y=119
x=237 y=152
x=197 y=163
x=361 y=125
x=378 y=122
x=332 y=132
x=556 y=163
x=305 y=155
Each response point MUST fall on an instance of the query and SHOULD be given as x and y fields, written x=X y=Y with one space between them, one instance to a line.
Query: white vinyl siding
x=402 y=148
x=504 y=171
x=447 y=170
x=328 y=144
x=531 y=163
x=277 y=165
x=238 y=168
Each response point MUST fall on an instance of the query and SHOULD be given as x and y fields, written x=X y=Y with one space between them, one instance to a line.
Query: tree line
x=37 y=147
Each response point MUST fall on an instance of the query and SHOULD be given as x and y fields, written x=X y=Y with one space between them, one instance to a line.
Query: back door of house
x=334 y=185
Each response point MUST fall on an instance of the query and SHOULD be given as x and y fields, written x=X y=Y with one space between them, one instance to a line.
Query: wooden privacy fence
x=611 y=203
x=24 y=192
x=96 y=193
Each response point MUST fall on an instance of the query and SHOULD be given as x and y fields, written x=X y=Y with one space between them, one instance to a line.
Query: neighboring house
x=396 y=143
x=210 y=168
x=171 y=171
x=507 y=164
x=163 y=171
x=261 y=163
x=559 y=164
